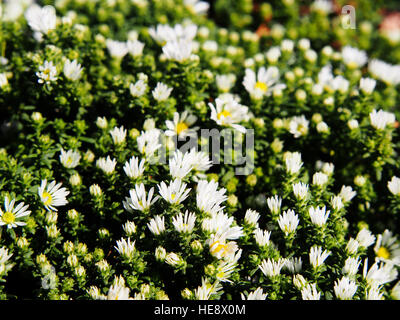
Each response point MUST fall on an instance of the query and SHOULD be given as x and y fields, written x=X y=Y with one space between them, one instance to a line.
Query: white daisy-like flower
x=272 y=268
x=353 y=57
x=263 y=83
x=337 y=202
x=367 y=85
x=138 y=199
x=365 y=238
x=118 y=292
x=52 y=195
x=388 y=73
x=224 y=270
x=133 y=168
x=3 y=79
x=161 y=92
x=209 y=198
x=320 y=179
x=310 y=292
x=298 y=126
x=251 y=218
x=11 y=216
x=196 y=6
x=288 y=221
x=379 y=273
x=345 y=288
x=125 y=248
x=72 y=70
x=164 y=33
x=317 y=256
x=173 y=259
x=117 y=49
x=257 y=294
x=47 y=72
x=221 y=225
x=352 y=246
x=184 y=222
x=178 y=50
x=180 y=165
x=4 y=256
x=274 y=204
x=225 y=82
x=41 y=19
x=293 y=162
x=380 y=119
x=294 y=265
x=149 y=142
x=176 y=192
x=157 y=225
x=387 y=248
x=262 y=237
x=322 y=6
x=118 y=135
x=138 y=88
x=200 y=163
x=347 y=193
x=228 y=112
x=394 y=186
x=180 y=126
x=107 y=165
x=374 y=293
x=351 y=266
x=300 y=190
x=318 y=215
x=135 y=48
x=221 y=248
x=69 y=159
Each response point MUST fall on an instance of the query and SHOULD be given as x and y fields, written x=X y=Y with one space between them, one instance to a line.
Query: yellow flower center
x=352 y=65
x=48 y=199
x=69 y=161
x=181 y=126
x=217 y=247
x=302 y=129
x=261 y=86
x=173 y=196
x=383 y=253
x=220 y=275
x=224 y=114
x=8 y=217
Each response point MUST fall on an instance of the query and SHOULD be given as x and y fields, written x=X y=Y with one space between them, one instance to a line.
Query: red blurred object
x=391 y=22
x=262 y=30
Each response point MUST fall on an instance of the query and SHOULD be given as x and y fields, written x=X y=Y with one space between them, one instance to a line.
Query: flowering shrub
x=112 y=188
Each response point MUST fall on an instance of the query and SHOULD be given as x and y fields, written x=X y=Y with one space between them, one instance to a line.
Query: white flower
x=228 y=112
x=394 y=186
x=164 y=33
x=118 y=135
x=317 y=256
x=352 y=124
x=161 y=92
x=125 y=248
x=274 y=204
x=180 y=165
x=72 y=70
x=95 y=190
x=294 y=265
x=69 y=159
x=133 y=168
x=47 y=72
x=251 y=217
x=173 y=259
x=299 y=281
x=304 y=44
x=138 y=200
x=287 y=45
x=367 y=85
x=180 y=126
x=293 y=162
x=157 y=225
x=4 y=256
x=322 y=6
x=298 y=126
x=196 y=6
x=374 y=293
x=225 y=82
x=389 y=74
x=41 y=20
x=11 y=216
x=52 y=195
x=135 y=47
x=118 y=292
x=337 y=202
x=149 y=142
x=262 y=237
x=318 y=215
x=395 y=292
x=365 y=238
x=345 y=288
x=310 y=292
x=352 y=246
x=117 y=49
x=184 y=223
x=102 y=122
x=379 y=120
x=379 y=273
x=106 y=164
x=387 y=248
x=272 y=268
x=288 y=221
x=209 y=198
x=347 y=193
x=224 y=270
x=178 y=50
x=3 y=79
x=257 y=294
x=220 y=248
x=351 y=266
x=263 y=83
x=138 y=88
x=200 y=163
x=175 y=193
x=353 y=57
x=129 y=228
x=320 y=179
x=300 y=190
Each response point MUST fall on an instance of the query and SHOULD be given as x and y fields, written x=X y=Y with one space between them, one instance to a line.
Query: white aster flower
x=352 y=246
x=262 y=237
x=3 y=80
x=274 y=204
x=257 y=294
x=69 y=159
x=374 y=293
x=173 y=259
x=263 y=83
x=300 y=190
x=157 y=225
x=387 y=248
x=225 y=82
x=41 y=19
x=294 y=265
x=138 y=199
x=310 y=292
x=161 y=92
x=367 y=85
x=107 y=165
x=118 y=135
x=320 y=179
x=317 y=256
x=135 y=47
x=228 y=112
x=11 y=217
x=118 y=292
x=178 y=50
x=318 y=215
x=288 y=221
x=337 y=202
x=209 y=198
x=220 y=248
x=353 y=57
x=175 y=192
x=272 y=268
x=251 y=217
x=365 y=238
x=164 y=33
x=322 y=6
x=125 y=248
x=380 y=119
x=184 y=223
x=138 y=88
x=298 y=126
x=149 y=142
x=379 y=273
x=293 y=162
x=180 y=165
x=117 y=49
x=389 y=74
x=47 y=72
x=351 y=266
x=394 y=186
x=347 y=193
x=72 y=70
x=180 y=126
x=200 y=162
x=345 y=288
x=196 y=6
x=52 y=195
x=133 y=168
